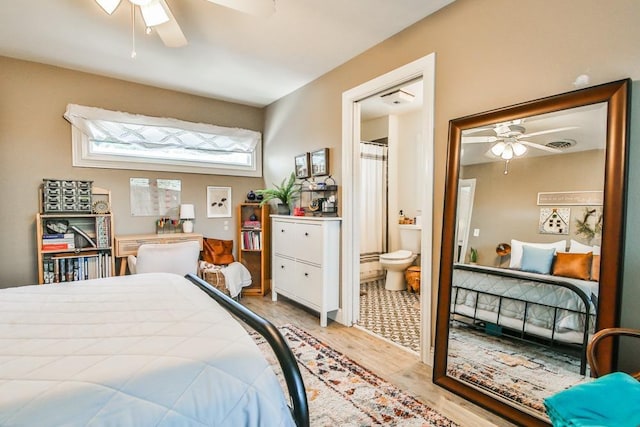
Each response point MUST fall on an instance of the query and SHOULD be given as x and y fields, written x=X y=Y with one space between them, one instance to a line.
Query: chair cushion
x=217 y=251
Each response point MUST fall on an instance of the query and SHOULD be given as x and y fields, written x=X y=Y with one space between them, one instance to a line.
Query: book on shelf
x=57 y=246
x=251 y=240
x=55 y=236
x=251 y=224
x=102 y=232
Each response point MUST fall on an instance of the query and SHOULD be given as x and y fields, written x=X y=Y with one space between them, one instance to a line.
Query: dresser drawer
x=299 y=241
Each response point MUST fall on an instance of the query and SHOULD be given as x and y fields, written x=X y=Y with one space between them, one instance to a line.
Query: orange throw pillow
x=595 y=268
x=218 y=252
x=577 y=266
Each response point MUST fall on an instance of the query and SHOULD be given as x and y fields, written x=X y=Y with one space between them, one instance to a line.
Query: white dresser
x=306 y=261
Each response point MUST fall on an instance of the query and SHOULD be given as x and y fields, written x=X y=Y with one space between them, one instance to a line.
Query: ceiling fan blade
x=478 y=139
x=170 y=32
x=108 y=5
x=543 y=132
x=252 y=7
x=475 y=130
x=539 y=146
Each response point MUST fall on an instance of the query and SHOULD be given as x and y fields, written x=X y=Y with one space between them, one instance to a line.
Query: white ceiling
x=230 y=55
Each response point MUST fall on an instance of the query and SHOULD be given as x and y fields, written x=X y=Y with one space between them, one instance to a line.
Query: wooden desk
x=128 y=244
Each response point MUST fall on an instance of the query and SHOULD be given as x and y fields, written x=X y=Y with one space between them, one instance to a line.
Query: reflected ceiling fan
x=509 y=140
x=157 y=15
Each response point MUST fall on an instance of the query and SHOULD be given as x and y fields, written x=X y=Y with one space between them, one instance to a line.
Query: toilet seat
x=397 y=255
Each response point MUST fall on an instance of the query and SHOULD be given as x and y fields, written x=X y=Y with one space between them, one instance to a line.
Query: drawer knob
x=281 y=230
x=306 y=234
x=282 y=266
x=306 y=274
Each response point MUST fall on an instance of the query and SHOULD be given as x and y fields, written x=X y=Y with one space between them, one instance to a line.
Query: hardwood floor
x=398 y=366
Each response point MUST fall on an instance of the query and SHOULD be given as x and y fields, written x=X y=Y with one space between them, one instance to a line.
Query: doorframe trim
x=425 y=68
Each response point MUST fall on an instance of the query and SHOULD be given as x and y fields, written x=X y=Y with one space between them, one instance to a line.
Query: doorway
x=424 y=69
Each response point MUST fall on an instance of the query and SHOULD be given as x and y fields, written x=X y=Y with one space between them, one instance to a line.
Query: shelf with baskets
x=76 y=244
x=254 y=246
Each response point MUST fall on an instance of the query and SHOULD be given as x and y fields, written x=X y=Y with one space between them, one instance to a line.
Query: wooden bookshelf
x=254 y=246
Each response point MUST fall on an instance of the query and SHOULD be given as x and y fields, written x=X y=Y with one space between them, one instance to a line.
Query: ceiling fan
x=157 y=15
x=508 y=140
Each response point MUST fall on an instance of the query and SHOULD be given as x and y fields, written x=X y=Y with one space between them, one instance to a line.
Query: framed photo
x=218 y=202
x=302 y=166
x=320 y=162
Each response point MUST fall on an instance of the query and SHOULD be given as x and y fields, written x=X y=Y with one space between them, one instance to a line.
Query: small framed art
x=302 y=166
x=218 y=202
x=320 y=162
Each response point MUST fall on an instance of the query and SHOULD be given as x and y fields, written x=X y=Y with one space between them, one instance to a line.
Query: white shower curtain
x=373 y=204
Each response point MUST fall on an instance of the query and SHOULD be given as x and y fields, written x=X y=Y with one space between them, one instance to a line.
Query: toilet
x=396 y=262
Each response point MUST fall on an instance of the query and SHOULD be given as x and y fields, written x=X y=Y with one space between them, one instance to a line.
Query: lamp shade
x=187 y=212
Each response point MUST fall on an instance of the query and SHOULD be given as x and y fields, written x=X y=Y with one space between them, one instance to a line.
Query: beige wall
x=505 y=206
x=489 y=54
x=35 y=143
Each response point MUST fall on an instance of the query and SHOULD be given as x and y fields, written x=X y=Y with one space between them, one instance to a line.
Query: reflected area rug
x=343 y=393
x=519 y=372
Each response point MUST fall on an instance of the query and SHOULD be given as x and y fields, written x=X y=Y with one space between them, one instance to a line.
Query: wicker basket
x=412 y=275
x=216 y=278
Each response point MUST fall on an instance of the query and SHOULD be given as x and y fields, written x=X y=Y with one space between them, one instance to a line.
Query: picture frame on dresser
x=320 y=162
x=302 y=166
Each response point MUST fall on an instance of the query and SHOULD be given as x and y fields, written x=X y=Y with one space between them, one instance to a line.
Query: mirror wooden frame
x=616 y=95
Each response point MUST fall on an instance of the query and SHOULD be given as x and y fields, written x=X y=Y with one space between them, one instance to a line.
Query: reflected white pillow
x=516 y=250
x=579 y=248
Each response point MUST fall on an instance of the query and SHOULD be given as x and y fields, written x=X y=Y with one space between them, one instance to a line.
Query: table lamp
x=187 y=214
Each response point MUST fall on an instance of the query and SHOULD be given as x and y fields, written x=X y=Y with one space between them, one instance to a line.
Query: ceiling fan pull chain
x=133 y=31
x=506 y=167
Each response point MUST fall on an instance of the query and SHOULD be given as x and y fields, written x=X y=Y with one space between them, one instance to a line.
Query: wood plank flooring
x=400 y=367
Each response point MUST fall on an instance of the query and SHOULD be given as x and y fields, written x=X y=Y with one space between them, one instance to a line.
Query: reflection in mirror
x=527 y=222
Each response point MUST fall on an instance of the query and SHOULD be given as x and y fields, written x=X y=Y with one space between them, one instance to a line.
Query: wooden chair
x=178 y=258
x=592 y=348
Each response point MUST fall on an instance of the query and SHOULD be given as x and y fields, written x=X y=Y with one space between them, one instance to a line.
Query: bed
x=535 y=307
x=147 y=349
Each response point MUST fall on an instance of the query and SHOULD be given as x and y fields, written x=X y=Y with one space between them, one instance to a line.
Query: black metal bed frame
x=524 y=335
x=288 y=364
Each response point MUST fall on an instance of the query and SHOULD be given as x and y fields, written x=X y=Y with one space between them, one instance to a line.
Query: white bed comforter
x=142 y=350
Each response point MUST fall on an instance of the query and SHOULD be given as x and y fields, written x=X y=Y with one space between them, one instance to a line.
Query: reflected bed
x=147 y=349
x=533 y=306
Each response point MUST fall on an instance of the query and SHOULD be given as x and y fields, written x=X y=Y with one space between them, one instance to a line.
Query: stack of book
x=57 y=242
x=251 y=224
x=61 y=268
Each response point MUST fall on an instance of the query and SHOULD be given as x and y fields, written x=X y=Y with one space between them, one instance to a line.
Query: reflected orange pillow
x=595 y=268
x=576 y=266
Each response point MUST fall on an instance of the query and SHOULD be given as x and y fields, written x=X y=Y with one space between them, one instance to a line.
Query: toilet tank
x=410 y=235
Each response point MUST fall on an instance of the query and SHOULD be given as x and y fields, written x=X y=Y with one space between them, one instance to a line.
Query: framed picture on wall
x=320 y=162
x=302 y=166
x=218 y=202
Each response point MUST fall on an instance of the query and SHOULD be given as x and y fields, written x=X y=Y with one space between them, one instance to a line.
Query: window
x=116 y=140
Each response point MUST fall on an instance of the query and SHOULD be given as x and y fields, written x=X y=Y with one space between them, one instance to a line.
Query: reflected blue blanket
x=611 y=400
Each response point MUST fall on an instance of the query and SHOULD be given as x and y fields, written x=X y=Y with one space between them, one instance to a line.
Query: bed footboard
x=288 y=364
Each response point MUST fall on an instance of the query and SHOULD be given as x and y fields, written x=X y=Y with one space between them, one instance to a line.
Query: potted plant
x=473 y=256
x=287 y=192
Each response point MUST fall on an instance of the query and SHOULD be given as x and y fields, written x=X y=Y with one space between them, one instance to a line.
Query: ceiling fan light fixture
x=108 y=5
x=498 y=148
x=507 y=154
x=154 y=14
x=518 y=149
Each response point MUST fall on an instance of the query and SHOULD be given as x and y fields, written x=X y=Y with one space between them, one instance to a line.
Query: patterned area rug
x=394 y=315
x=342 y=393
x=519 y=372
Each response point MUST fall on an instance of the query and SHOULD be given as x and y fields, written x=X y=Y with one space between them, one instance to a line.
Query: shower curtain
x=373 y=204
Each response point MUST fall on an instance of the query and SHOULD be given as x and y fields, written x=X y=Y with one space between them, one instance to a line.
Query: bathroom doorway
x=389 y=164
x=351 y=210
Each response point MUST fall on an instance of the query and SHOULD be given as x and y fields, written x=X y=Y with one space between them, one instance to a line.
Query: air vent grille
x=562 y=144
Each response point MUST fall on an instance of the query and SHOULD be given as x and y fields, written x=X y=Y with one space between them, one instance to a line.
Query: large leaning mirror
x=531 y=247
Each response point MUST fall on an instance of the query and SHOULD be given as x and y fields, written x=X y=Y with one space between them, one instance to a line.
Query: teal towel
x=611 y=400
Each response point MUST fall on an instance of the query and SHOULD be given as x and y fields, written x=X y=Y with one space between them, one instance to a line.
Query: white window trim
x=82 y=157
